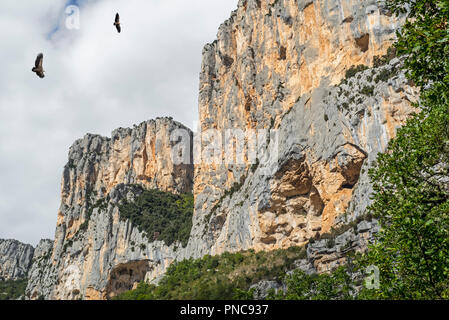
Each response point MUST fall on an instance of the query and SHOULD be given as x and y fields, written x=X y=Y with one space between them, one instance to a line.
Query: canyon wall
x=324 y=148
x=91 y=240
x=280 y=65
x=277 y=72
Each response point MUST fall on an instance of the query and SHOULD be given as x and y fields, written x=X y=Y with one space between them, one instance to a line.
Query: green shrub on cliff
x=161 y=215
x=425 y=39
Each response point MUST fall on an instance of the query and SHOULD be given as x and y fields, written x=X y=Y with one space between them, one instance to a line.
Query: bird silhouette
x=117 y=23
x=38 y=69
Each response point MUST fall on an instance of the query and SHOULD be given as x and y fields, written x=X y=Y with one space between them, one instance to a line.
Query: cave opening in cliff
x=363 y=42
x=127 y=276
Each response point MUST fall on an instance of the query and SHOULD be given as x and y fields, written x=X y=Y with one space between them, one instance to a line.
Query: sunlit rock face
x=325 y=146
x=91 y=239
x=270 y=53
x=278 y=65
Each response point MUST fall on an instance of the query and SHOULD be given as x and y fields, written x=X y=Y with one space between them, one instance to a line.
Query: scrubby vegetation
x=12 y=289
x=161 y=215
x=383 y=60
x=351 y=72
x=219 y=277
x=230 y=276
x=367 y=91
x=333 y=286
x=229 y=193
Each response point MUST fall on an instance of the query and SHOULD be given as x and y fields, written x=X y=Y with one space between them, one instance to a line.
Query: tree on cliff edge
x=411 y=179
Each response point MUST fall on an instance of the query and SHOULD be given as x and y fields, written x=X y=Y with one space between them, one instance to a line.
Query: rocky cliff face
x=270 y=53
x=15 y=259
x=280 y=65
x=277 y=65
x=325 y=145
x=91 y=240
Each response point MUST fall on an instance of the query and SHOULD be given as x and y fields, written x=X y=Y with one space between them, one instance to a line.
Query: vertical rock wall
x=90 y=238
x=15 y=259
x=280 y=65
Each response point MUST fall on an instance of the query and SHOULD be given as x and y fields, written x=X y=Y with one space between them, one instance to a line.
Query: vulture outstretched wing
x=39 y=59
x=38 y=66
x=117 y=23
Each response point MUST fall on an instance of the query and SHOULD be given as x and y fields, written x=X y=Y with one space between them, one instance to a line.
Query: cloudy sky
x=96 y=81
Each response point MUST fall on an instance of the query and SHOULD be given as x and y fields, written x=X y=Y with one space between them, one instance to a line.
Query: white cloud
x=96 y=80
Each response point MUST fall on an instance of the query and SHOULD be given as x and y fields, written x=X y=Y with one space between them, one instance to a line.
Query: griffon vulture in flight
x=38 y=69
x=117 y=23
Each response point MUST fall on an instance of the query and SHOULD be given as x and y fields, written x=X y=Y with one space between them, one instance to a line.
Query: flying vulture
x=38 y=69
x=117 y=23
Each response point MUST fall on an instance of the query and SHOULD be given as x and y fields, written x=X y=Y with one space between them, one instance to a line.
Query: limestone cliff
x=280 y=65
x=277 y=65
x=15 y=259
x=270 y=53
x=325 y=146
x=91 y=240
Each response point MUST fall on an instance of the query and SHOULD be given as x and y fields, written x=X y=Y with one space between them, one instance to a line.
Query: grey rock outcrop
x=15 y=259
x=263 y=288
x=39 y=271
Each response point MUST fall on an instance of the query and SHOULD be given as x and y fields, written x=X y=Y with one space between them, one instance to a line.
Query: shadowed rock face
x=40 y=270
x=15 y=259
x=127 y=276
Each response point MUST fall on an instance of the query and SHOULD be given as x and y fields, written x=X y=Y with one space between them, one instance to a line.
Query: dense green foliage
x=230 y=276
x=412 y=202
x=425 y=39
x=161 y=215
x=227 y=276
x=411 y=195
x=337 y=285
x=12 y=289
